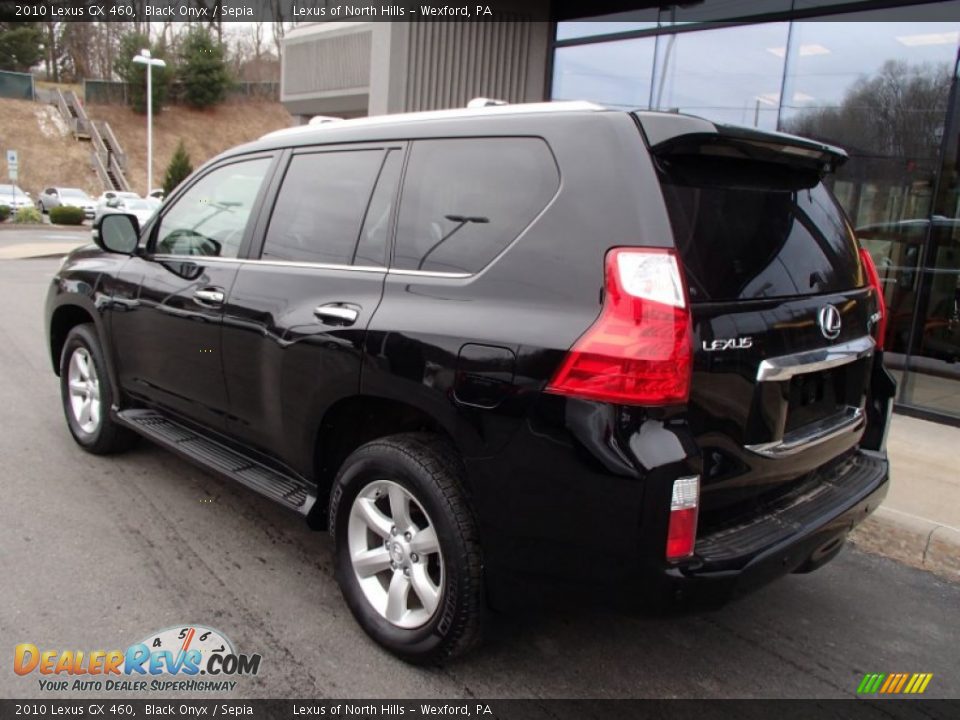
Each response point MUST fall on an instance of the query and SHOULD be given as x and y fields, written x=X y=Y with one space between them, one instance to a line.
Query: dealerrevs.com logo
x=181 y=658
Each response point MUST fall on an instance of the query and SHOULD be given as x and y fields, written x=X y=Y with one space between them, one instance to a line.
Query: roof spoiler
x=673 y=134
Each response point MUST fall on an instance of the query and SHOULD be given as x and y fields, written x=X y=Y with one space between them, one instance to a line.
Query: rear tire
x=87 y=396
x=407 y=555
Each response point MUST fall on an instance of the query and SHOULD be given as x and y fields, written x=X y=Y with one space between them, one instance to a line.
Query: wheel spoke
x=400 y=508
x=371 y=562
x=83 y=365
x=76 y=372
x=83 y=416
x=77 y=387
x=371 y=515
x=425 y=541
x=423 y=587
x=95 y=412
x=94 y=389
x=397 y=597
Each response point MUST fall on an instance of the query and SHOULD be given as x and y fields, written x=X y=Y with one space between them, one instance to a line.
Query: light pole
x=144 y=58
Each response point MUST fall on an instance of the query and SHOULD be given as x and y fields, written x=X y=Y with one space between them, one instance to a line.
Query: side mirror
x=112 y=202
x=117 y=233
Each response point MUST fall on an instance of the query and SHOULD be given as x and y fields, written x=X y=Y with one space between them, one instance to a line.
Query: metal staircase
x=107 y=157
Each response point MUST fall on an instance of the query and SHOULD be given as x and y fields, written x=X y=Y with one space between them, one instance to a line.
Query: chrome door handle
x=214 y=297
x=336 y=314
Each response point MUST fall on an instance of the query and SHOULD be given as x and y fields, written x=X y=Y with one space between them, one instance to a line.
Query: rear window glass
x=748 y=234
x=465 y=200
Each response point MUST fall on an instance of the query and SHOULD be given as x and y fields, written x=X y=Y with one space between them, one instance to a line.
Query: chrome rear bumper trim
x=848 y=420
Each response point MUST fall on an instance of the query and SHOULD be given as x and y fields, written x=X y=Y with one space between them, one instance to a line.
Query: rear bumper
x=802 y=532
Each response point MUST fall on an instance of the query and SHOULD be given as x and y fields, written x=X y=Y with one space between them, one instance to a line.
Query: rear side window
x=465 y=200
x=321 y=206
x=745 y=233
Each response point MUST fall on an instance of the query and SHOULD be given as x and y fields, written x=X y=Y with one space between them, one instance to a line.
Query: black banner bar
x=492 y=709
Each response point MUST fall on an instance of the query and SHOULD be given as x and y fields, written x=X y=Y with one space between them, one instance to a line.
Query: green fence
x=104 y=92
x=110 y=92
x=16 y=85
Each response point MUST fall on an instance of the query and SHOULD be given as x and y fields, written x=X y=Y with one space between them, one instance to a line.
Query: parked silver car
x=14 y=198
x=52 y=197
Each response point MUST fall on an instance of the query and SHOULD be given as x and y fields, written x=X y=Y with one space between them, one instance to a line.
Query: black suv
x=503 y=354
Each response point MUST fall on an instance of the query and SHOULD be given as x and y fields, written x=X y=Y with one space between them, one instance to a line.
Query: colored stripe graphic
x=894 y=683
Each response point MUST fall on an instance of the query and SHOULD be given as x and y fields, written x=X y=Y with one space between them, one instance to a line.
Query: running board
x=292 y=492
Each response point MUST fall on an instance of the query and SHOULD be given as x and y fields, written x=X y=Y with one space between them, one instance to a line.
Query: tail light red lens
x=874 y=279
x=682 y=531
x=640 y=350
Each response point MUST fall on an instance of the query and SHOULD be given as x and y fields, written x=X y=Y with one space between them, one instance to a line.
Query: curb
x=914 y=540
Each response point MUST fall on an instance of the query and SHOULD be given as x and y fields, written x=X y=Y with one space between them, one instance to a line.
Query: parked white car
x=143 y=208
x=109 y=199
x=52 y=197
x=14 y=198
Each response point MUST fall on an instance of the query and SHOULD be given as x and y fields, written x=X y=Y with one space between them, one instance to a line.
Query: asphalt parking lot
x=96 y=553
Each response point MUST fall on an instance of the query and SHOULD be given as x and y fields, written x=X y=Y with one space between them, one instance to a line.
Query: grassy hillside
x=47 y=152
x=205 y=133
x=50 y=156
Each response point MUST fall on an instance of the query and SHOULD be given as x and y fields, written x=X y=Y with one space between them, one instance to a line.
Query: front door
x=168 y=302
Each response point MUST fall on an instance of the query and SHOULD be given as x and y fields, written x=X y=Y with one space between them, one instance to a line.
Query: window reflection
x=880 y=91
x=615 y=74
x=728 y=75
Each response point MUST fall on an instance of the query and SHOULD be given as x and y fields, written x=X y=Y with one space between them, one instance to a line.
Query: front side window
x=321 y=206
x=210 y=218
x=465 y=200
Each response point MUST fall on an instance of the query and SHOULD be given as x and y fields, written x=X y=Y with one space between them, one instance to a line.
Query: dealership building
x=878 y=78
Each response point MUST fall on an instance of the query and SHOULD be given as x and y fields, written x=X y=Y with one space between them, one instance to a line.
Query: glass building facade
x=879 y=82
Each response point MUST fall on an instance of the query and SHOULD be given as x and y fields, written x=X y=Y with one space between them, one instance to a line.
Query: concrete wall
x=387 y=67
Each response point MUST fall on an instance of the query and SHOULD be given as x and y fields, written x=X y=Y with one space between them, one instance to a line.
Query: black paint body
x=567 y=493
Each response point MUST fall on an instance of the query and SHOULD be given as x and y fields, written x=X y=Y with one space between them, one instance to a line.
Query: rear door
x=298 y=311
x=782 y=316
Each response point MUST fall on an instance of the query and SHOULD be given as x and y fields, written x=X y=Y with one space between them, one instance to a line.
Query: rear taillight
x=874 y=278
x=639 y=351
x=682 y=531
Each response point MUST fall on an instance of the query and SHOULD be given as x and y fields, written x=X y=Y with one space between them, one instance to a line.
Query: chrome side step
x=289 y=491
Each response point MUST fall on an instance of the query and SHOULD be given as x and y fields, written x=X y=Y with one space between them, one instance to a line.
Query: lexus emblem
x=829 y=320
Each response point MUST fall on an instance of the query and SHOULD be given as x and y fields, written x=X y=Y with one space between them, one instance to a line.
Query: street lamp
x=144 y=58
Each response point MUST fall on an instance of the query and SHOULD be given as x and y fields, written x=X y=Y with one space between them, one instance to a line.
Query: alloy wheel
x=84 y=385
x=395 y=554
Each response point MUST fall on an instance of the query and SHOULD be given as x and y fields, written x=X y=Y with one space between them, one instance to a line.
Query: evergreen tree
x=178 y=170
x=21 y=46
x=203 y=69
x=135 y=74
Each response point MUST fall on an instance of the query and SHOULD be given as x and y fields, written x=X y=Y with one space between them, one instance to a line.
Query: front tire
x=87 y=396
x=407 y=555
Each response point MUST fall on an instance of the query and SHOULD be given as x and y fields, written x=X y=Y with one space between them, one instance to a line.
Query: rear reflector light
x=640 y=350
x=682 y=531
x=874 y=279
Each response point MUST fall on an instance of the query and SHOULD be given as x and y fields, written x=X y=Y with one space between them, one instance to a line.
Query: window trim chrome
x=785 y=367
x=201 y=259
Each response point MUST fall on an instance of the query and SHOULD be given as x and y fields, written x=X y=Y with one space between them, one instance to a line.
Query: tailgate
x=782 y=312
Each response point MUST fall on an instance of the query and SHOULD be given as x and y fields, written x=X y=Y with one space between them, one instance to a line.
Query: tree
x=135 y=74
x=178 y=170
x=203 y=69
x=21 y=47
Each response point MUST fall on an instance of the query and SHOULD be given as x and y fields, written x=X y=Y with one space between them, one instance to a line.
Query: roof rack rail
x=321 y=119
x=480 y=102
